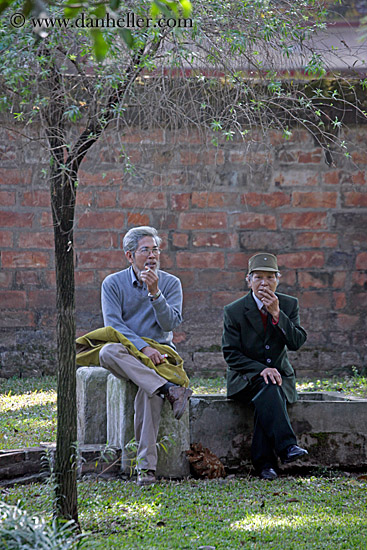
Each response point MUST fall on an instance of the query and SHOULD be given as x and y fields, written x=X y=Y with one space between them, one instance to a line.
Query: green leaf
x=127 y=37
x=100 y=46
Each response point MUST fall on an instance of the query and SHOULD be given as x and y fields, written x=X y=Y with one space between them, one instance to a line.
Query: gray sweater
x=127 y=308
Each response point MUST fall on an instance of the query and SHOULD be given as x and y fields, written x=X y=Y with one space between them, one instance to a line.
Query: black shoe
x=268 y=473
x=293 y=452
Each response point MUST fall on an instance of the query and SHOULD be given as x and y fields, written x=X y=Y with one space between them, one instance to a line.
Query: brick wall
x=215 y=207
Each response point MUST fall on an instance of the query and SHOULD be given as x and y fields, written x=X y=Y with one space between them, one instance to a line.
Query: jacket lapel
x=252 y=314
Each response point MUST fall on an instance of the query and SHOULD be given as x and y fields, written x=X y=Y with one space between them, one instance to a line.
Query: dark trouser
x=273 y=432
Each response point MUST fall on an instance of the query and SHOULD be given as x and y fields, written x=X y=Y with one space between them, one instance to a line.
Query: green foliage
x=20 y=531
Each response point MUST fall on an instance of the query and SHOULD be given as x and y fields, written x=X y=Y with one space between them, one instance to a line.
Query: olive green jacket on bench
x=89 y=346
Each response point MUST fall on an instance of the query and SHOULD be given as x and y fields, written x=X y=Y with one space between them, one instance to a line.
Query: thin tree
x=225 y=74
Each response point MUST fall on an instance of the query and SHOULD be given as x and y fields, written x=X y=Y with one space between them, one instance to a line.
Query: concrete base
x=331 y=427
x=173 y=435
x=91 y=395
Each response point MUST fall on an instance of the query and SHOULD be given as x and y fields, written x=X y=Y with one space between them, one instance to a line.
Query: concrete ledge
x=173 y=433
x=333 y=431
x=332 y=427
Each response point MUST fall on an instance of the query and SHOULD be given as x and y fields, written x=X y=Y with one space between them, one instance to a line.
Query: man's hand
x=270 y=301
x=271 y=374
x=150 y=278
x=153 y=355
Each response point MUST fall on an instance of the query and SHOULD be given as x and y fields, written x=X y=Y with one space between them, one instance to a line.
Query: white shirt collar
x=258 y=302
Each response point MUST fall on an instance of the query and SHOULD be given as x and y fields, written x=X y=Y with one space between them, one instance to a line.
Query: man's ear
x=129 y=256
x=248 y=280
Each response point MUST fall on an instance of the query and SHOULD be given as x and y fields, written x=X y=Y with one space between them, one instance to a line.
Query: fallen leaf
x=292 y=500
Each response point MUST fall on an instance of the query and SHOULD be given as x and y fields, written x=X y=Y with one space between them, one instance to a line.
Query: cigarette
x=148 y=268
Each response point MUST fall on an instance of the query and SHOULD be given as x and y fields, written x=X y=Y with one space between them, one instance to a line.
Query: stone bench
x=333 y=428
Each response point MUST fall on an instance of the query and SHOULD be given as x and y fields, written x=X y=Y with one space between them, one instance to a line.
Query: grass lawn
x=328 y=511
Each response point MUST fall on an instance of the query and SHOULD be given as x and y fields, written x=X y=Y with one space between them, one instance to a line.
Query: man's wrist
x=154 y=296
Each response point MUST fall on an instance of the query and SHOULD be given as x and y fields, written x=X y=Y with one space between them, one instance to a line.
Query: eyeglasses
x=145 y=251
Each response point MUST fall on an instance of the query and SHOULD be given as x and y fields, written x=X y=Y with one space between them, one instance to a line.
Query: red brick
x=84 y=278
x=311 y=280
x=252 y=220
x=48 y=319
x=40 y=299
x=317 y=240
x=361 y=261
x=213 y=157
x=166 y=260
x=142 y=136
x=218 y=240
x=187 y=278
x=46 y=219
x=101 y=220
x=339 y=300
x=15 y=177
x=101 y=178
x=180 y=201
x=332 y=178
x=358 y=301
x=315 y=300
x=179 y=337
x=237 y=157
x=25 y=259
x=205 y=220
x=193 y=298
x=96 y=239
x=204 y=199
x=314 y=199
x=170 y=179
x=27 y=278
x=339 y=278
x=221 y=298
x=6 y=278
x=304 y=220
x=346 y=322
x=134 y=218
x=302 y=260
x=13 y=299
x=7 y=198
x=212 y=260
x=13 y=319
x=360 y=279
x=238 y=260
x=231 y=280
x=106 y=259
x=36 y=240
x=84 y=198
x=310 y=157
x=6 y=239
x=291 y=179
x=273 y=200
x=355 y=199
x=180 y=240
x=106 y=199
x=359 y=157
x=143 y=200
x=36 y=198
x=87 y=299
x=288 y=278
x=189 y=158
x=359 y=178
x=14 y=219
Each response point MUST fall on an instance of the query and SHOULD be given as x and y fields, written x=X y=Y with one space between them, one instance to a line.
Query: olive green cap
x=263 y=262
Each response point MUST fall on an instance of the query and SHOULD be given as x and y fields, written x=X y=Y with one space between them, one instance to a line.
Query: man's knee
x=109 y=352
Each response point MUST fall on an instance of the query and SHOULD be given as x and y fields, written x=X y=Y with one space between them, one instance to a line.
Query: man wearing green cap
x=258 y=330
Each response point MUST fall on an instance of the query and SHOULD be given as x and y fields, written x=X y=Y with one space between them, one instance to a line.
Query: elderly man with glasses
x=143 y=301
x=258 y=330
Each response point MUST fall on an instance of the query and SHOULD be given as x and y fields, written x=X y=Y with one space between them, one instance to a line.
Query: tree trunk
x=63 y=206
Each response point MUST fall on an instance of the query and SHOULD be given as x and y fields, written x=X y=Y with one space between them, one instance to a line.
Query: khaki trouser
x=147 y=406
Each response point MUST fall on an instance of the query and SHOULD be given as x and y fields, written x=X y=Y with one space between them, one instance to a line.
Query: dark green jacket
x=248 y=349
